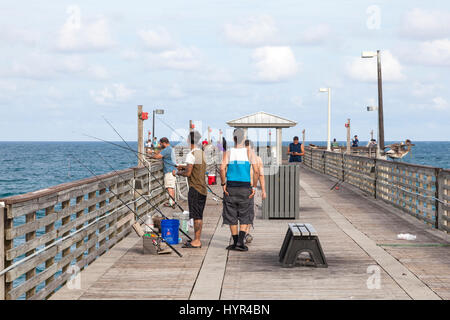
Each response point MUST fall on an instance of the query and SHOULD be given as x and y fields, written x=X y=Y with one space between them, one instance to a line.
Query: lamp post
x=380 y=144
x=156 y=111
x=329 y=117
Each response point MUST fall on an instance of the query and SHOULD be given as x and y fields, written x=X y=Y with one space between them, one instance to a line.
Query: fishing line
x=140 y=194
x=62 y=239
x=123 y=202
x=173 y=130
x=137 y=155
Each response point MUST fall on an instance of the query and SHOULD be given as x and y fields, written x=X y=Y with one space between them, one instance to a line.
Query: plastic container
x=149 y=224
x=184 y=220
x=169 y=230
x=211 y=179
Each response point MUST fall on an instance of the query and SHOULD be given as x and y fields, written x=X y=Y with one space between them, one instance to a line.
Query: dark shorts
x=237 y=207
x=196 y=202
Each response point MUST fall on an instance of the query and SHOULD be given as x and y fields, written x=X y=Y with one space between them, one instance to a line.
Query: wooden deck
x=355 y=232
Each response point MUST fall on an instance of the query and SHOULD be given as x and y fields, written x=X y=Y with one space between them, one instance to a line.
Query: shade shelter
x=264 y=120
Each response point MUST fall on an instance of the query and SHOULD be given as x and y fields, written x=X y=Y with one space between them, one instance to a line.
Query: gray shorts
x=237 y=207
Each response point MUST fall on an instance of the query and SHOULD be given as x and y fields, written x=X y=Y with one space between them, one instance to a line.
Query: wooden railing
x=421 y=191
x=47 y=235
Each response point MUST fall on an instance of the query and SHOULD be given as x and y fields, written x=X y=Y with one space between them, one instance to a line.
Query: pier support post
x=2 y=249
x=140 y=137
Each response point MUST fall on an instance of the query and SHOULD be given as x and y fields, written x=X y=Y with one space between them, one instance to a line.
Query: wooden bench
x=300 y=238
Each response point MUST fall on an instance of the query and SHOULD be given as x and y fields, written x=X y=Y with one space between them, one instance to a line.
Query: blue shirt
x=295 y=148
x=168 y=159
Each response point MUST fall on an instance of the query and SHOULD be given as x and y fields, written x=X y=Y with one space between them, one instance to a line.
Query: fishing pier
x=75 y=240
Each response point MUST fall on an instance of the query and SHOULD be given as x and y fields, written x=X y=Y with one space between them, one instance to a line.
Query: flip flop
x=190 y=246
x=241 y=248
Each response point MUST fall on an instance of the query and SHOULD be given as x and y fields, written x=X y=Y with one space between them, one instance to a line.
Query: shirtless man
x=258 y=175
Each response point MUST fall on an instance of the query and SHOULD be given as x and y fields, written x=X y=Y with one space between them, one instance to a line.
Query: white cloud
x=15 y=35
x=98 y=72
x=297 y=101
x=7 y=86
x=75 y=35
x=109 y=95
x=176 y=92
x=253 y=31
x=182 y=58
x=433 y=53
x=274 y=63
x=366 y=69
x=440 y=103
x=157 y=39
x=422 y=24
x=423 y=89
x=315 y=34
x=129 y=55
x=38 y=66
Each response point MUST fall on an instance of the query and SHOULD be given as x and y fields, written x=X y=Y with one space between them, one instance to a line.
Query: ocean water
x=30 y=166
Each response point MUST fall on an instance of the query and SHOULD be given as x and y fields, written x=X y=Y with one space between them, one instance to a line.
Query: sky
x=67 y=65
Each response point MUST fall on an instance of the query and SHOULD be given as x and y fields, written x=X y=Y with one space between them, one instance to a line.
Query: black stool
x=301 y=237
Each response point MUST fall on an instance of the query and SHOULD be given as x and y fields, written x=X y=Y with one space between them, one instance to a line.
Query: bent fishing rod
x=137 y=155
x=140 y=194
x=125 y=204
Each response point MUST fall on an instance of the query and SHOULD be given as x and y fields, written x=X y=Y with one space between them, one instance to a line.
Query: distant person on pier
x=167 y=154
x=195 y=170
x=335 y=144
x=355 y=142
x=295 y=151
x=258 y=176
x=372 y=143
x=155 y=143
x=236 y=174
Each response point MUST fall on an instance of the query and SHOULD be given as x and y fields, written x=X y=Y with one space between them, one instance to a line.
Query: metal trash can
x=283 y=192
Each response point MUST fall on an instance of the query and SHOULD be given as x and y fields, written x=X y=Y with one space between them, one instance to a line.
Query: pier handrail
x=419 y=190
x=48 y=235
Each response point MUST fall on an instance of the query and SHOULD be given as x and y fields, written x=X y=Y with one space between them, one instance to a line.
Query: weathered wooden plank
x=93 y=214
x=49 y=194
x=30 y=245
x=30 y=264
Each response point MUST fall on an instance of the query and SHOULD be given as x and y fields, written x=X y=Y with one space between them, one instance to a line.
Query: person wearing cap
x=169 y=167
x=355 y=142
x=295 y=151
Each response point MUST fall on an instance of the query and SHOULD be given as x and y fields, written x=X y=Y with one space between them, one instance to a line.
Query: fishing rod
x=137 y=155
x=125 y=204
x=173 y=130
x=140 y=194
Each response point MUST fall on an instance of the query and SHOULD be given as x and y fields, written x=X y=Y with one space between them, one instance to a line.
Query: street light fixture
x=329 y=116
x=371 y=54
x=156 y=111
x=371 y=108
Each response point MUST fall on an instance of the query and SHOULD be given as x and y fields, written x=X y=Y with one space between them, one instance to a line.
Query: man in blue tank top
x=295 y=151
x=236 y=173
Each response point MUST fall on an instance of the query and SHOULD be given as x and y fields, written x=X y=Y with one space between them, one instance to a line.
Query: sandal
x=190 y=246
